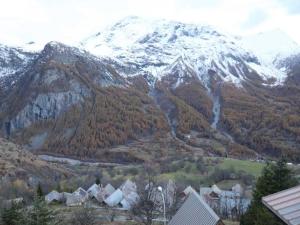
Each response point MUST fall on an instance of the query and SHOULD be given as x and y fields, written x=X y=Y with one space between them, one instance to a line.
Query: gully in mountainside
x=155 y=95
x=215 y=97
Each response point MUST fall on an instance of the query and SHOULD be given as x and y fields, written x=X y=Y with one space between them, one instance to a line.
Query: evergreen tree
x=98 y=181
x=39 y=191
x=58 y=187
x=13 y=215
x=98 y=178
x=274 y=178
x=40 y=214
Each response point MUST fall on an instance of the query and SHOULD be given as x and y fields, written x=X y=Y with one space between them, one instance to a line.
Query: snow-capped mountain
x=153 y=45
x=151 y=79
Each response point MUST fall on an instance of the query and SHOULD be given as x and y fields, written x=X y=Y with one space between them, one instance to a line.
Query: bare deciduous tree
x=146 y=209
x=84 y=216
x=175 y=204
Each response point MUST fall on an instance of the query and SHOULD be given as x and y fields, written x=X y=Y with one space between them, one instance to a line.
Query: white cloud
x=255 y=18
x=292 y=6
x=71 y=20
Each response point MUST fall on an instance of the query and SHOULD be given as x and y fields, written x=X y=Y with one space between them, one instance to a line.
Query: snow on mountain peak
x=153 y=45
x=135 y=30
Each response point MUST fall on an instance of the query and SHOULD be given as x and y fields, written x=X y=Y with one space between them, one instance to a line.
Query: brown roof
x=285 y=204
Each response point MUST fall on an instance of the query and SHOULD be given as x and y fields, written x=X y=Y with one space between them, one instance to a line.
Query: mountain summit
x=152 y=45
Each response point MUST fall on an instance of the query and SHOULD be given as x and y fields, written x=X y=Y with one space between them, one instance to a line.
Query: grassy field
x=183 y=171
x=188 y=173
x=250 y=167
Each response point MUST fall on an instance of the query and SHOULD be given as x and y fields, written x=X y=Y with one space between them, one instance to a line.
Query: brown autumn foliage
x=114 y=116
x=259 y=118
x=195 y=95
x=108 y=116
x=187 y=117
x=139 y=82
x=265 y=119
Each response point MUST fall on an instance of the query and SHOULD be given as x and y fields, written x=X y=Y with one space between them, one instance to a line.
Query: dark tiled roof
x=195 y=211
x=285 y=204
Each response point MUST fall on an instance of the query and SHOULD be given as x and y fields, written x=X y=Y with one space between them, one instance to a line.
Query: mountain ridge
x=184 y=85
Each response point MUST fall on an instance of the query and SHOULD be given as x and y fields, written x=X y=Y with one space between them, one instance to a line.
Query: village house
x=124 y=197
x=195 y=211
x=228 y=203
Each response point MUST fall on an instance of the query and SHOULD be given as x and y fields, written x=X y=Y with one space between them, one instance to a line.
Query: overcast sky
x=70 y=21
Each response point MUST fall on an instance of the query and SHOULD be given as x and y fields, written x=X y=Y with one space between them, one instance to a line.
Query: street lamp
x=163 y=197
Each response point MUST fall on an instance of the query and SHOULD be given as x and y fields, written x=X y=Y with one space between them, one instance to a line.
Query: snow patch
x=270 y=72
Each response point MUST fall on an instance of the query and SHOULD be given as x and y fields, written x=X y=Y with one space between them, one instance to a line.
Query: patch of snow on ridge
x=6 y=71
x=270 y=72
x=12 y=60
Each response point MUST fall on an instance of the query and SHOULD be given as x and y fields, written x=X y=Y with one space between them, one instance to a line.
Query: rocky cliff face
x=71 y=101
x=53 y=82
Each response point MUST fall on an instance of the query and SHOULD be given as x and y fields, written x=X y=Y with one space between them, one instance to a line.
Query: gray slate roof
x=129 y=200
x=127 y=187
x=195 y=211
x=107 y=191
x=54 y=196
x=285 y=204
x=81 y=192
x=130 y=196
x=94 y=190
x=115 y=198
x=78 y=197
